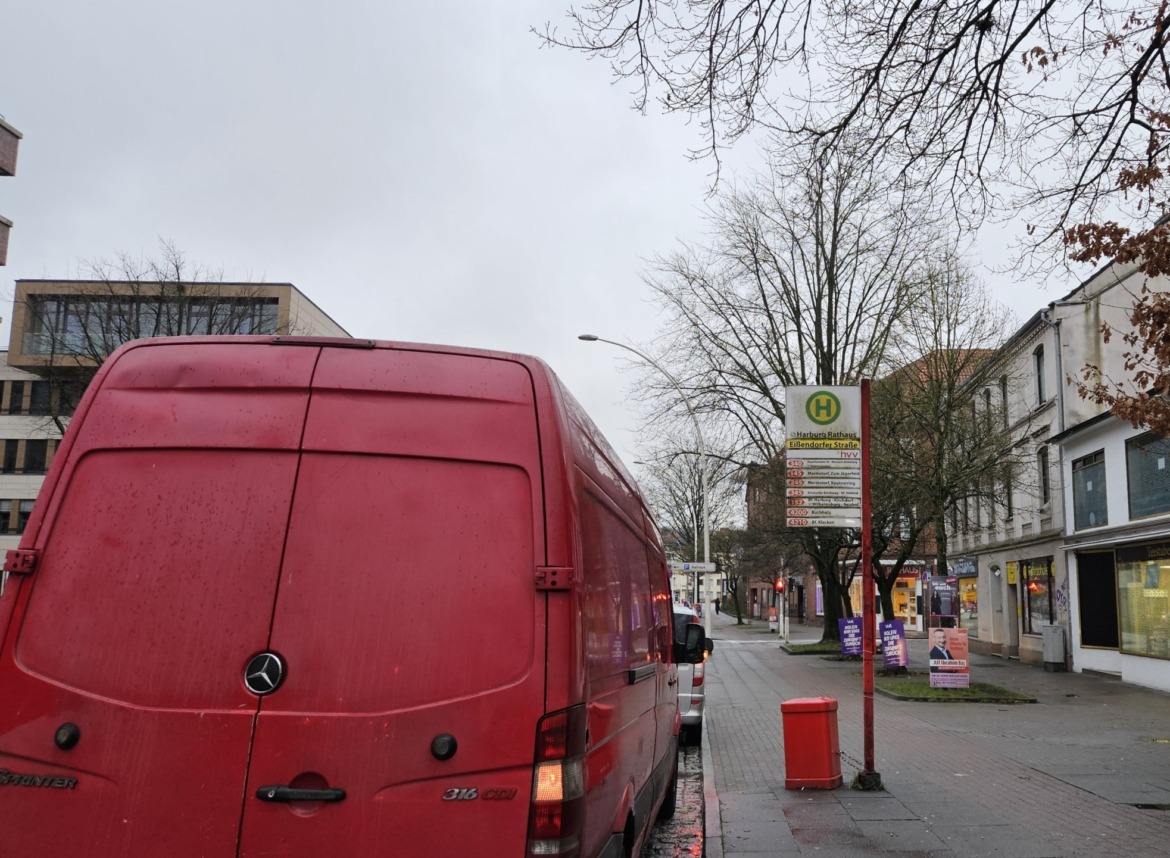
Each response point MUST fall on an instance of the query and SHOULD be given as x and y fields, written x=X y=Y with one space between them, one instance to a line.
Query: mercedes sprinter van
x=306 y=597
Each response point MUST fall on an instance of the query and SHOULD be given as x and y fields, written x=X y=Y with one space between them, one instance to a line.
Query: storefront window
x=1143 y=582
x=1036 y=577
x=969 y=601
x=906 y=601
x=966 y=571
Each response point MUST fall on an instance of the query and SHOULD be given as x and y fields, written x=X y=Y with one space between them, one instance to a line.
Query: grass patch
x=916 y=686
x=818 y=648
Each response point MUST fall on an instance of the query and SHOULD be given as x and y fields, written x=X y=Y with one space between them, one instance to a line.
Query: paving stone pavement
x=1084 y=771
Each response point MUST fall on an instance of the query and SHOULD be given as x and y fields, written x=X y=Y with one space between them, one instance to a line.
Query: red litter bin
x=812 y=753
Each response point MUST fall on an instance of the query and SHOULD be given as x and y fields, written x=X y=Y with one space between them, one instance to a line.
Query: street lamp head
x=593 y=338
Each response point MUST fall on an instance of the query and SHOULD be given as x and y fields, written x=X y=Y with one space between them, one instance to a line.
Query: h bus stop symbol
x=823 y=407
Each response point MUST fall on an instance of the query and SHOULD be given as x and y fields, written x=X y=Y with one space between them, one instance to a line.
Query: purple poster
x=850 y=628
x=893 y=636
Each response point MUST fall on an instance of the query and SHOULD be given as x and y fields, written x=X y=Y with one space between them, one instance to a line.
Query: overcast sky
x=423 y=172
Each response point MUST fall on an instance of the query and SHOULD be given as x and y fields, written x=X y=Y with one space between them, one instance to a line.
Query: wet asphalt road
x=682 y=836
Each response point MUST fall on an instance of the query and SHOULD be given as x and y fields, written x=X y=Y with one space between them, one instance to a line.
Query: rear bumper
x=692 y=713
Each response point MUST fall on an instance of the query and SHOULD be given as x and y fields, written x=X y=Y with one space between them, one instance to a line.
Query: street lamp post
x=593 y=338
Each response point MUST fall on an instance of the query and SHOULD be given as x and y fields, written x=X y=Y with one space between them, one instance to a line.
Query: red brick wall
x=9 y=141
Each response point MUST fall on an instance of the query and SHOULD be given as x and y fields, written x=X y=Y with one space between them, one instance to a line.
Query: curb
x=712 y=824
x=1001 y=701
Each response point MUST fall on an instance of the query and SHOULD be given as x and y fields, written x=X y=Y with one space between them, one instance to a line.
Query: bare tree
x=1052 y=114
x=807 y=278
x=728 y=547
x=673 y=484
x=1063 y=100
x=934 y=443
x=771 y=548
x=74 y=329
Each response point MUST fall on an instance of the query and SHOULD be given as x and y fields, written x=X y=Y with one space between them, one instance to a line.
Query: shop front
x=1123 y=611
x=907 y=597
x=908 y=601
x=966 y=572
x=1036 y=581
x=1143 y=607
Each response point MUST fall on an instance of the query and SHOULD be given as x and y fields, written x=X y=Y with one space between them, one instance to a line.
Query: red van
x=247 y=616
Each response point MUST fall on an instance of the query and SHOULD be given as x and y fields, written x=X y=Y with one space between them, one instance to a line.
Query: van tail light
x=697 y=676
x=556 y=814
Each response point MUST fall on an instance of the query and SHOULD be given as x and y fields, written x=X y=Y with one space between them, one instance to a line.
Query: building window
x=1042 y=472
x=8 y=464
x=1143 y=604
x=5 y=516
x=25 y=511
x=40 y=402
x=1036 y=577
x=1003 y=398
x=987 y=408
x=1038 y=369
x=1090 y=504
x=1009 y=508
x=35 y=455
x=1147 y=464
x=95 y=325
x=16 y=397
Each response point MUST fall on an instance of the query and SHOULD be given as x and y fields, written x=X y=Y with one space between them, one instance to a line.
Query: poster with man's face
x=948 y=658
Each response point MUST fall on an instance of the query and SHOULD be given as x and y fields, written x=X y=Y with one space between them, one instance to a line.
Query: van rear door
x=125 y=726
x=406 y=616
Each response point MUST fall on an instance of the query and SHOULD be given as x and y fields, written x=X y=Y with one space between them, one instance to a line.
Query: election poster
x=893 y=637
x=949 y=659
x=851 y=631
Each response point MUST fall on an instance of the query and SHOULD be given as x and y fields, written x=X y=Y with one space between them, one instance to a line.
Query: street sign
x=675 y=566
x=820 y=520
x=823 y=456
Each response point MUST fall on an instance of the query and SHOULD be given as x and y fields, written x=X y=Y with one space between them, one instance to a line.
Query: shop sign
x=1013 y=571
x=966 y=567
x=1143 y=553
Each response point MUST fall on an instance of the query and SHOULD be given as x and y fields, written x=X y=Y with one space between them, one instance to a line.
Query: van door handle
x=287 y=793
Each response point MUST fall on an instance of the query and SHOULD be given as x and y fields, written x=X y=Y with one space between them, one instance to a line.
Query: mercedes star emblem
x=264 y=673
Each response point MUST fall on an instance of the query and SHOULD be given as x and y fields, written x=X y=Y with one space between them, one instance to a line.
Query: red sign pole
x=867 y=779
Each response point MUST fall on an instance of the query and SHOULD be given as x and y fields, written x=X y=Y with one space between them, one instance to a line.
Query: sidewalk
x=1084 y=771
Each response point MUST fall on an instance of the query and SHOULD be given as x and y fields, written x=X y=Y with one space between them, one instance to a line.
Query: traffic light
x=779 y=585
